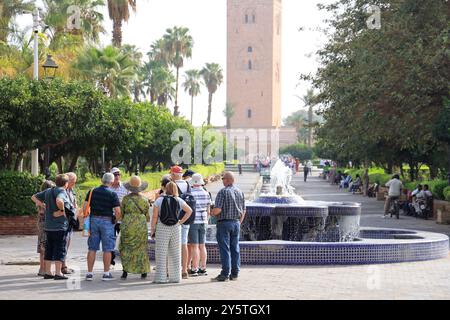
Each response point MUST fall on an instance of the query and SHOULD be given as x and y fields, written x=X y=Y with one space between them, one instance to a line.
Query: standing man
x=104 y=205
x=176 y=174
x=395 y=190
x=230 y=212
x=73 y=202
x=117 y=186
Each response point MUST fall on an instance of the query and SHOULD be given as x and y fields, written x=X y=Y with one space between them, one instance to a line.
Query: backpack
x=169 y=211
x=190 y=201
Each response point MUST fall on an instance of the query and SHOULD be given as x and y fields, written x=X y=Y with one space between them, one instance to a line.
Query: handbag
x=86 y=216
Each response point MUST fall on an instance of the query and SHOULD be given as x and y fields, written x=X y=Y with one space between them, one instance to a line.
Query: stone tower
x=254 y=63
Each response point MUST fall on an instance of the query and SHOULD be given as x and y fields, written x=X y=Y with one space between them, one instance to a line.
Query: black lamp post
x=50 y=67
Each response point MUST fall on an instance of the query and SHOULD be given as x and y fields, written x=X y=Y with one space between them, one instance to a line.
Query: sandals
x=66 y=270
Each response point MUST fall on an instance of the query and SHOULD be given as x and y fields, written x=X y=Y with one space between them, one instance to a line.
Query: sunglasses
x=116 y=174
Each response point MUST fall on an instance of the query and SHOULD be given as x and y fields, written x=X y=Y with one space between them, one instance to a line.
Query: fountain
x=281 y=228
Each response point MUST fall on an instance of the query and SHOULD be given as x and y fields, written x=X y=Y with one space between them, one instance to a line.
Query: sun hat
x=197 y=180
x=188 y=173
x=176 y=170
x=135 y=185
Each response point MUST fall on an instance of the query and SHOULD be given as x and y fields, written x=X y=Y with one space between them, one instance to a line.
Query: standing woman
x=134 y=230
x=40 y=227
x=166 y=230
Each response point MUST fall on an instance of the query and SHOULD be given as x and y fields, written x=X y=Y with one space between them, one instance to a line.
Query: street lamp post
x=36 y=24
x=50 y=67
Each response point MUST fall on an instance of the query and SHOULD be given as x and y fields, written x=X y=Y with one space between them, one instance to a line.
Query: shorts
x=55 y=246
x=184 y=234
x=102 y=230
x=42 y=237
x=197 y=234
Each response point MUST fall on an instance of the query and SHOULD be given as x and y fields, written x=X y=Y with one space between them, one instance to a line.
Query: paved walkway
x=422 y=280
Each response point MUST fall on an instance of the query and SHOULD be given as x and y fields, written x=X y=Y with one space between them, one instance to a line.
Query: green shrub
x=299 y=151
x=438 y=189
x=447 y=193
x=16 y=189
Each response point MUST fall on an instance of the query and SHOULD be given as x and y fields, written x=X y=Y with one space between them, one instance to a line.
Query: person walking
x=56 y=225
x=105 y=209
x=40 y=228
x=133 y=245
x=197 y=231
x=305 y=172
x=229 y=209
x=166 y=231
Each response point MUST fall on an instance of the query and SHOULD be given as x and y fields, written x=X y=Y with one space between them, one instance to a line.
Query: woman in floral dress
x=133 y=245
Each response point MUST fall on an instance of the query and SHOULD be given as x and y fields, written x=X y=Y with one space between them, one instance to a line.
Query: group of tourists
x=181 y=213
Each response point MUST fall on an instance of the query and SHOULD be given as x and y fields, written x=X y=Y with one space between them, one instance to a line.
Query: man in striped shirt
x=197 y=231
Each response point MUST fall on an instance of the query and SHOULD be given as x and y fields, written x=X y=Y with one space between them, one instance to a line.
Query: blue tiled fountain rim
x=428 y=246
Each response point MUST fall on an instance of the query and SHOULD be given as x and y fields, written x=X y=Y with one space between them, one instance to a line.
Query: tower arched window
x=246 y=18
x=249 y=113
x=250 y=65
x=250 y=49
x=254 y=18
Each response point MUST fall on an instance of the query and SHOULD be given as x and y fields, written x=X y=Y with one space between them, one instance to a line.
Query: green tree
x=192 y=85
x=8 y=11
x=213 y=77
x=114 y=69
x=178 y=45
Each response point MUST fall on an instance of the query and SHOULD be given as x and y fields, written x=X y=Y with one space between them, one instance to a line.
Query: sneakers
x=202 y=272
x=220 y=278
x=89 y=277
x=107 y=277
x=193 y=273
x=124 y=275
x=233 y=278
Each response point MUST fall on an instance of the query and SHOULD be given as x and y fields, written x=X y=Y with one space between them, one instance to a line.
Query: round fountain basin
x=373 y=246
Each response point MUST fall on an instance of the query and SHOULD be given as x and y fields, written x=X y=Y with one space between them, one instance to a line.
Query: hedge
x=16 y=189
x=447 y=193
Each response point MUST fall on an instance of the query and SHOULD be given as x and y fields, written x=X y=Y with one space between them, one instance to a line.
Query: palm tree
x=228 y=112
x=178 y=46
x=111 y=68
x=8 y=10
x=192 y=86
x=309 y=101
x=119 y=11
x=213 y=77
x=159 y=81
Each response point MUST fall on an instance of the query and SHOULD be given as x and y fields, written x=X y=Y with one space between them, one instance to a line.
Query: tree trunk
x=73 y=163
x=176 y=112
x=59 y=165
x=117 y=33
x=366 y=182
x=310 y=128
x=209 y=108
x=18 y=161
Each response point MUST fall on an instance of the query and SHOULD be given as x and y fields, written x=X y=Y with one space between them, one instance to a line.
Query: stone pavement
x=421 y=280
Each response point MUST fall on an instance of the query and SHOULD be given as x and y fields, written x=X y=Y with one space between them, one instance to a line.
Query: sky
x=206 y=20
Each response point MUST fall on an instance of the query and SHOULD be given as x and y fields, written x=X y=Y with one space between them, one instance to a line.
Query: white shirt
x=183 y=185
x=121 y=191
x=395 y=187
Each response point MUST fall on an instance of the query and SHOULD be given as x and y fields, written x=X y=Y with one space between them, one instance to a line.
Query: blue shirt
x=232 y=202
x=49 y=197
x=103 y=202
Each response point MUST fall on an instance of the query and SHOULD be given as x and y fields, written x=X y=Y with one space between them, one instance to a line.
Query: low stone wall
x=441 y=211
x=18 y=225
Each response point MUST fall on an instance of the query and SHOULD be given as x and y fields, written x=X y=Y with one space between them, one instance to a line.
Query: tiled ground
x=422 y=280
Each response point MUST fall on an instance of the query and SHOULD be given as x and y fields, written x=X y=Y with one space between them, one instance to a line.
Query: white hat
x=197 y=180
x=115 y=170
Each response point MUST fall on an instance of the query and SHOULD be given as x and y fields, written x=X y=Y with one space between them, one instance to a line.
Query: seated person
x=354 y=186
x=426 y=191
x=417 y=196
x=373 y=189
x=346 y=181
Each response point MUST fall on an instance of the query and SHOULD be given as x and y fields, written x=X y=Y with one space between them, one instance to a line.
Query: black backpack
x=190 y=201
x=169 y=211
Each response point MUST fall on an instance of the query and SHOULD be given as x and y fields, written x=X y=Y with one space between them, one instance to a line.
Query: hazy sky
x=206 y=20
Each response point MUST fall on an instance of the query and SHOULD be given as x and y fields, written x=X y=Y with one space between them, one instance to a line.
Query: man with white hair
x=104 y=205
x=117 y=186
